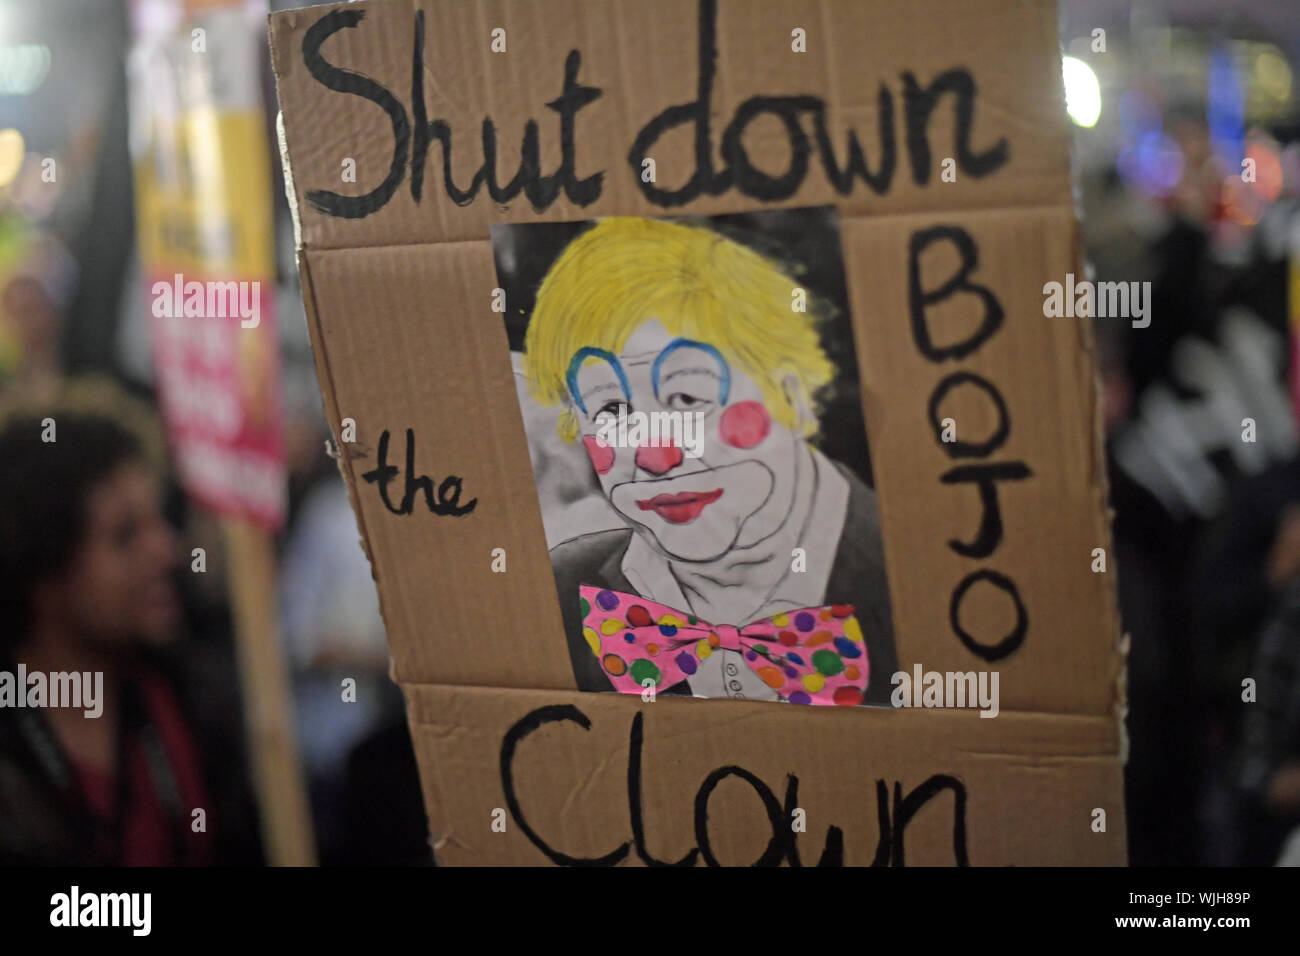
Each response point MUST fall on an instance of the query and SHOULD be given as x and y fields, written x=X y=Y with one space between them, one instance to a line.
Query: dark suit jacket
x=857 y=577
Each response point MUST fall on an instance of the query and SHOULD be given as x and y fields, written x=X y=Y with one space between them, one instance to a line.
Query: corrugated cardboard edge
x=324 y=377
x=1100 y=481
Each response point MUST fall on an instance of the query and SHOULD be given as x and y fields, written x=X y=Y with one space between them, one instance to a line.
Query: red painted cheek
x=602 y=456
x=745 y=424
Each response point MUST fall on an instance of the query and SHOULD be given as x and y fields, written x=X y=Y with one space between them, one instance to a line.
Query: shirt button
x=735 y=685
x=731 y=670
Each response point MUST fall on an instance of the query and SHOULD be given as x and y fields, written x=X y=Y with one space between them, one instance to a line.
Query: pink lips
x=682 y=507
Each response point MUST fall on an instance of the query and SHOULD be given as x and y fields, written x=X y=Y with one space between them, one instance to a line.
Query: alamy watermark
x=946 y=689
x=1101 y=300
x=684 y=430
x=129 y=910
x=208 y=300
x=75 y=689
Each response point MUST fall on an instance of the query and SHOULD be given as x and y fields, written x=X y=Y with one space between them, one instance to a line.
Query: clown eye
x=685 y=402
x=611 y=409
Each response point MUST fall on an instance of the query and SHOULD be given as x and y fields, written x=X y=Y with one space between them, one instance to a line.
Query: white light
x=1082 y=91
x=23 y=68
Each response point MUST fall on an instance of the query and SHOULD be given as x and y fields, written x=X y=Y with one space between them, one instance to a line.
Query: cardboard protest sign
x=697 y=350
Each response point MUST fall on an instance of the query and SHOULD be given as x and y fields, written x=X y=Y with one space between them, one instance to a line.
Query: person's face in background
x=33 y=320
x=118 y=590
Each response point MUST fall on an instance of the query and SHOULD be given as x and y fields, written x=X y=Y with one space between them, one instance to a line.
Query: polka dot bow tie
x=811 y=656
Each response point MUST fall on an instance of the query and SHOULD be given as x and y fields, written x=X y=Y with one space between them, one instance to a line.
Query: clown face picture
x=690 y=393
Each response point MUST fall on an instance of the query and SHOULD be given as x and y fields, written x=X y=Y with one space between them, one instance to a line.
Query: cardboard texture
x=989 y=542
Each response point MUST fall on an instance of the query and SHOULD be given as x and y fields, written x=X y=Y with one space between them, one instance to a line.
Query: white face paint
x=740 y=488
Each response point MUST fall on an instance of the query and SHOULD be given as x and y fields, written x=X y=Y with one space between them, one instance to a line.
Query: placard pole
x=283 y=807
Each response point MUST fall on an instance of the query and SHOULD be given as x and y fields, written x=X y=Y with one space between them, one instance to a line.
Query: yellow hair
x=625 y=271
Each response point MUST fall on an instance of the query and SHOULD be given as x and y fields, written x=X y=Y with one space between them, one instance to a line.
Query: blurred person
x=37 y=278
x=355 y=746
x=1268 y=771
x=86 y=585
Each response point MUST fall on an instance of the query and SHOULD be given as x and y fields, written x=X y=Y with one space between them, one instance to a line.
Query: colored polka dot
x=692 y=619
x=667 y=630
x=821 y=637
x=607 y=600
x=788 y=638
x=847 y=696
x=781 y=620
x=611 y=625
x=744 y=424
x=772 y=677
x=703 y=650
x=686 y=663
x=644 y=670
x=790 y=672
x=630 y=637
x=852 y=672
x=805 y=622
x=762 y=650
x=593 y=640
x=799 y=697
x=637 y=616
x=847 y=648
x=750 y=656
x=714 y=640
x=852 y=630
x=825 y=614
x=614 y=664
x=794 y=658
x=586 y=607
x=813 y=682
x=828 y=662
x=652 y=650
x=842 y=610
x=671 y=620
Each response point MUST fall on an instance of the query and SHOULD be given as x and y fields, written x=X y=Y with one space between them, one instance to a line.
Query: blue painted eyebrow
x=705 y=347
x=590 y=351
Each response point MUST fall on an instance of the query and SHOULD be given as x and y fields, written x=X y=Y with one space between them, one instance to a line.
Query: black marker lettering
x=918 y=103
x=985 y=478
x=905 y=808
x=704 y=180
x=1004 y=647
x=510 y=743
x=356 y=84
x=962 y=449
x=920 y=299
x=448 y=496
x=777 y=847
x=634 y=745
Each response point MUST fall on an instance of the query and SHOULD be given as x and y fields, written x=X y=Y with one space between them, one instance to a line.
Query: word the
x=448 y=496
x=946 y=689
x=1102 y=300
x=208 y=300
x=57 y=689
x=103 y=909
x=684 y=430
